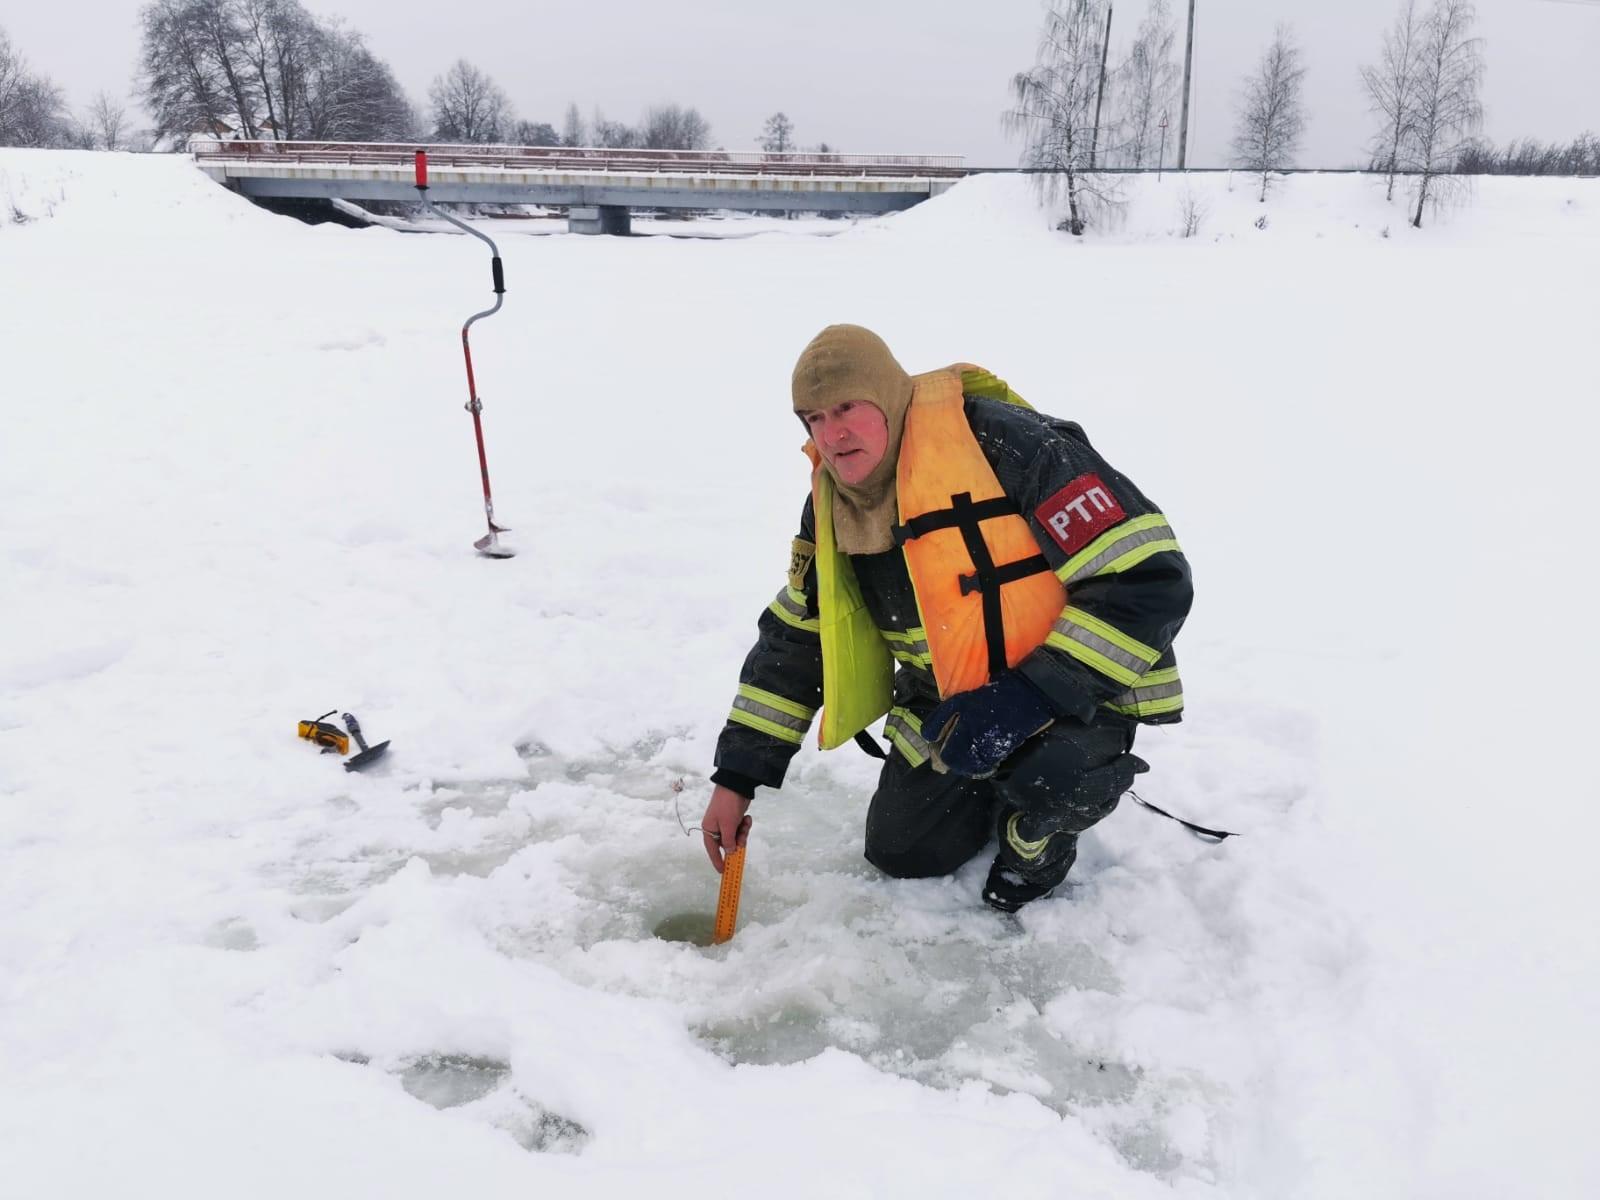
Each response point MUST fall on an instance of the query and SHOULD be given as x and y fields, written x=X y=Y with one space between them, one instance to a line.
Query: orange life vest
x=986 y=595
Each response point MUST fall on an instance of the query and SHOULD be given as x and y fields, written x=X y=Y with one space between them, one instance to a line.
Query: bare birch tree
x=468 y=106
x=1148 y=79
x=1054 y=110
x=1448 y=108
x=1391 y=88
x=1271 y=113
x=107 y=120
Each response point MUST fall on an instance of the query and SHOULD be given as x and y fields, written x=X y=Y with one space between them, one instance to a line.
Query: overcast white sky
x=911 y=76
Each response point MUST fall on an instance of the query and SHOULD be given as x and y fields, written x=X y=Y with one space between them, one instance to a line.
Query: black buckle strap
x=1009 y=573
x=963 y=509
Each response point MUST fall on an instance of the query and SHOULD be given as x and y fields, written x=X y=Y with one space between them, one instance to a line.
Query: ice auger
x=489 y=544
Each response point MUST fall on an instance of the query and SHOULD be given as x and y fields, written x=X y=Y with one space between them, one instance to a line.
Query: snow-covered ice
x=237 y=489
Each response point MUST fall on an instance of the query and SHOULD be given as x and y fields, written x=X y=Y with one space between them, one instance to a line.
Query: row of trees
x=1075 y=113
x=271 y=70
x=467 y=106
x=663 y=127
x=1529 y=156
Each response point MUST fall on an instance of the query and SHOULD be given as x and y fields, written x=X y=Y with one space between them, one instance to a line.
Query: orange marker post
x=728 y=897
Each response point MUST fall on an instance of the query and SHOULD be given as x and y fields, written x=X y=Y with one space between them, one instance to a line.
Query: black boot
x=1027 y=869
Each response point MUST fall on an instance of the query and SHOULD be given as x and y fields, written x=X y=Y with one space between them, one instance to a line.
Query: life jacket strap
x=869 y=744
x=987 y=577
x=1009 y=573
x=963 y=510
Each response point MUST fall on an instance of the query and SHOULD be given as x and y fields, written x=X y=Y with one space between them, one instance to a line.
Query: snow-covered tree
x=1391 y=88
x=1271 y=114
x=1147 y=81
x=535 y=133
x=1055 y=104
x=572 y=127
x=1448 y=109
x=108 y=122
x=32 y=110
x=352 y=96
x=777 y=135
x=264 y=68
x=673 y=127
x=468 y=106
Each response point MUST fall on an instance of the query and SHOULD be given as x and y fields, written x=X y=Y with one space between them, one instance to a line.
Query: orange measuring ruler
x=728 y=897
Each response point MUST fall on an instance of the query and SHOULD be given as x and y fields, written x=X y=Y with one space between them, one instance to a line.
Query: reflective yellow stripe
x=783 y=704
x=904 y=731
x=1101 y=647
x=1120 y=549
x=741 y=717
x=1083 y=620
x=781 y=608
x=797 y=596
x=770 y=713
x=1025 y=849
x=1157 y=693
x=1148 y=708
x=1138 y=554
x=910 y=647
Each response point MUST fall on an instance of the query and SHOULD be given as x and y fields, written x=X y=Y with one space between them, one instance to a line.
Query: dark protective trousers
x=923 y=823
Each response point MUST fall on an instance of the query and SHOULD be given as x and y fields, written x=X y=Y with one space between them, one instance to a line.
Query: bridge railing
x=579 y=158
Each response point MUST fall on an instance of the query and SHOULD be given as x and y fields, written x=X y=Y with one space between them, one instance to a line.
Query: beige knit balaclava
x=847 y=362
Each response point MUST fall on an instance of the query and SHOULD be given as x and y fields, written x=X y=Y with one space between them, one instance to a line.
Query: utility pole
x=1105 y=48
x=1183 y=125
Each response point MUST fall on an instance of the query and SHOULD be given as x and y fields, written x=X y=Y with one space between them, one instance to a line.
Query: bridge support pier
x=599 y=218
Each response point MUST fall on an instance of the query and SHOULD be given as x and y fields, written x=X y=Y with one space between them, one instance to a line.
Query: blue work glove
x=972 y=733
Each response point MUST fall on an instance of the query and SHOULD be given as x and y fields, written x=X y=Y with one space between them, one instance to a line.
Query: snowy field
x=237 y=489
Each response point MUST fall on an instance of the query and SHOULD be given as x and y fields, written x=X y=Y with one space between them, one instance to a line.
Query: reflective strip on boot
x=1025 y=850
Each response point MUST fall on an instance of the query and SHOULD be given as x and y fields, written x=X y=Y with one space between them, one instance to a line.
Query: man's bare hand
x=725 y=825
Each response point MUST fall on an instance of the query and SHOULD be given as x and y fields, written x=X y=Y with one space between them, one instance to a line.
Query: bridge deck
x=580 y=176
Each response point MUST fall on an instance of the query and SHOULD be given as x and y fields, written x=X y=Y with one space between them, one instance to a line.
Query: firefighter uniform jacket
x=1128 y=592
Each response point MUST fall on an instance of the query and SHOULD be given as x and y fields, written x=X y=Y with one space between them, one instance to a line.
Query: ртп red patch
x=1079 y=512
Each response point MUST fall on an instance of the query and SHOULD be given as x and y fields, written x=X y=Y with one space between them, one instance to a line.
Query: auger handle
x=354 y=726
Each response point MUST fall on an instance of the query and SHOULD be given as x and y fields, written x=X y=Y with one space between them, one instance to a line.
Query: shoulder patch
x=1076 y=514
x=801 y=554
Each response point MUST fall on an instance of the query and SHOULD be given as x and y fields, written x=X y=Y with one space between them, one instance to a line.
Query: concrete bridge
x=598 y=187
